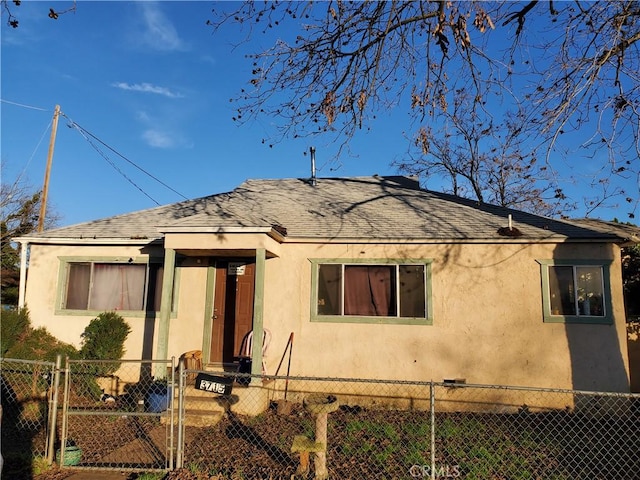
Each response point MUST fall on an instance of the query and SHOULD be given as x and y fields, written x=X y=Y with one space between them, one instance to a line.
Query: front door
x=232 y=308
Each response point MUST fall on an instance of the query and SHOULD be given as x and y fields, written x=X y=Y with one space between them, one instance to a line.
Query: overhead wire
x=24 y=170
x=23 y=105
x=108 y=160
x=88 y=136
x=33 y=154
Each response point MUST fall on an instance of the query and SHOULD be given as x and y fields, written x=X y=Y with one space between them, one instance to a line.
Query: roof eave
x=270 y=231
x=85 y=240
x=519 y=240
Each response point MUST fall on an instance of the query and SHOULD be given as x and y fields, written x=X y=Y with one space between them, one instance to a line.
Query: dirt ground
x=379 y=444
x=253 y=448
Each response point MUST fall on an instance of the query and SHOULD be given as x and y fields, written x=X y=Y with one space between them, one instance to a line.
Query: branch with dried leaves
x=571 y=66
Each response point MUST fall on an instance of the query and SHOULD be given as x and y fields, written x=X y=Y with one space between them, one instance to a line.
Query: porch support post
x=258 y=306
x=162 y=347
x=22 y=288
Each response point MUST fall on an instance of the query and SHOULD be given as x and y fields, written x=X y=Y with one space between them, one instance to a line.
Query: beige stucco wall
x=487 y=328
x=186 y=326
x=487 y=311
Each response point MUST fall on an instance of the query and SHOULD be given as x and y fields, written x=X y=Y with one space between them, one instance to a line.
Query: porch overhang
x=224 y=242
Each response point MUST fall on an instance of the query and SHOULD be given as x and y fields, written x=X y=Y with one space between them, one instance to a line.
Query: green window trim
x=63 y=273
x=391 y=320
x=549 y=317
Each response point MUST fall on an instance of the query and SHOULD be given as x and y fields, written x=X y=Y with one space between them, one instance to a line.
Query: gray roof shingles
x=371 y=208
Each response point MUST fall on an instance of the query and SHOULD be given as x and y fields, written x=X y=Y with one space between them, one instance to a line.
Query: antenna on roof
x=312 y=150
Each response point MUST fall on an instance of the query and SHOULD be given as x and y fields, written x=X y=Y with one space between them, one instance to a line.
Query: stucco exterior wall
x=186 y=323
x=487 y=316
x=488 y=321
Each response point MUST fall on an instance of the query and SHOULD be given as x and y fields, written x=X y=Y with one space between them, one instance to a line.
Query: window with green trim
x=576 y=291
x=371 y=291
x=106 y=286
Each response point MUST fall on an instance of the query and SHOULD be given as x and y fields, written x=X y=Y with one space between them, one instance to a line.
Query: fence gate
x=28 y=410
x=123 y=422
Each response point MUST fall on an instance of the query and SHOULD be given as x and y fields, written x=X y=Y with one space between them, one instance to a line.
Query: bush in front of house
x=39 y=344
x=13 y=327
x=21 y=341
x=103 y=339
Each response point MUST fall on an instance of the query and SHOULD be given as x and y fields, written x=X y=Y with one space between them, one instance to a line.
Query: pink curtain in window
x=78 y=287
x=117 y=287
x=368 y=290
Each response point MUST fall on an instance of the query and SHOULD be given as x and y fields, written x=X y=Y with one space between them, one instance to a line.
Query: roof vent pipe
x=312 y=150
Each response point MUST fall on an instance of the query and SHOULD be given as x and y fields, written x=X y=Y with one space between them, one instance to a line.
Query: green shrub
x=21 y=341
x=9 y=295
x=39 y=344
x=103 y=339
x=14 y=325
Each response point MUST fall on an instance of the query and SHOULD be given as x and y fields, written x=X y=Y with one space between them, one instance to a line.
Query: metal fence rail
x=28 y=411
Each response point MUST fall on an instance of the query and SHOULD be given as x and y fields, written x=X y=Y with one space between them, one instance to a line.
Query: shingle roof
x=631 y=233
x=335 y=208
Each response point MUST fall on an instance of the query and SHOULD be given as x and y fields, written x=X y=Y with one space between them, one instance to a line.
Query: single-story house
x=376 y=277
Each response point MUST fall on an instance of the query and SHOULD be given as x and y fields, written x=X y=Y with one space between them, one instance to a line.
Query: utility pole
x=45 y=187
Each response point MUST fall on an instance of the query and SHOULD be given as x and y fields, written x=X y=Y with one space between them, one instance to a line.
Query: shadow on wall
x=598 y=362
x=597 y=365
x=147 y=344
x=633 y=345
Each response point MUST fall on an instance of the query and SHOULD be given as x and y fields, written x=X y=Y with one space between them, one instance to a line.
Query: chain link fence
x=533 y=433
x=148 y=417
x=272 y=428
x=120 y=421
x=28 y=411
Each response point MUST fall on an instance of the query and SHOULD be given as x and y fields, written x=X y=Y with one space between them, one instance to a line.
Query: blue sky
x=152 y=81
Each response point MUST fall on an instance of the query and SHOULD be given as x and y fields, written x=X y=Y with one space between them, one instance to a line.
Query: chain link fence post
x=432 y=421
x=53 y=410
x=65 y=410
x=172 y=416
x=181 y=390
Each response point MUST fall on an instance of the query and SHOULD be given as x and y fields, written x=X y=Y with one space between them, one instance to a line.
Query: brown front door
x=232 y=308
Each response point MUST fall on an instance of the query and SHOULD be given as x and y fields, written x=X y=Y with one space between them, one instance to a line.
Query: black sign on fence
x=213 y=384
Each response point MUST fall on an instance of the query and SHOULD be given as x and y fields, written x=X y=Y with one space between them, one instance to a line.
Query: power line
x=106 y=158
x=23 y=105
x=24 y=170
x=86 y=134
x=31 y=107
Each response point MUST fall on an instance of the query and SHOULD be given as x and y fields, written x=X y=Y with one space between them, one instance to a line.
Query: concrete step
x=202 y=418
x=250 y=400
